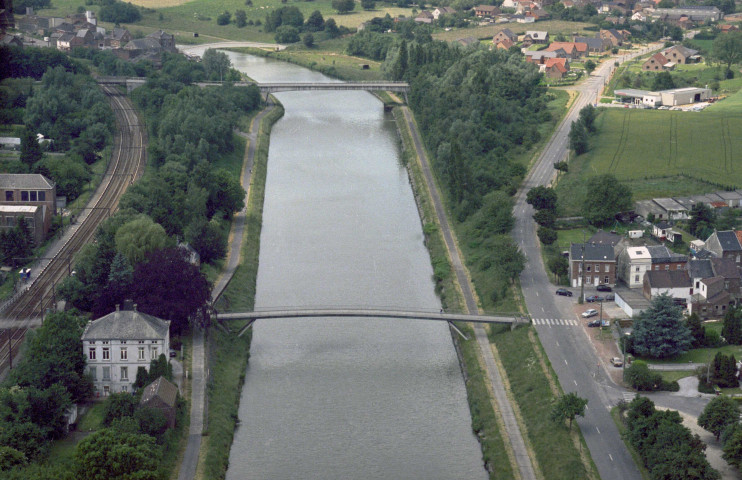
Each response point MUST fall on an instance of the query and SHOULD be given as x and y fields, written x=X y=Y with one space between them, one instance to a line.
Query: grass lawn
x=700 y=355
x=656 y=153
x=675 y=375
x=555 y=449
x=731 y=104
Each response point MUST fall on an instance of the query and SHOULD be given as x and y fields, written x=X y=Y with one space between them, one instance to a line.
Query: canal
x=345 y=398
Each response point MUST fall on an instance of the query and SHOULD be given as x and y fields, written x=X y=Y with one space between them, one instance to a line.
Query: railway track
x=26 y=309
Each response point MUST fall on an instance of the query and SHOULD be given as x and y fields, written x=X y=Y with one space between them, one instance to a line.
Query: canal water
x=340 y=398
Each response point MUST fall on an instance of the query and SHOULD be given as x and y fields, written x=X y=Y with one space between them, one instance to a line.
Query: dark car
x=610 y=297
x=604 y=288
x=594 y=298
x=564 y=292
x=594 y=323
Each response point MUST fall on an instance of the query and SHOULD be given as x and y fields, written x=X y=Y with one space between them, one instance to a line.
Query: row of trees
x=667 y=448
x=721 y=417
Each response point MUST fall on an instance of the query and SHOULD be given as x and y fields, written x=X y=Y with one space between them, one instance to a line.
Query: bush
x=639 y=377
x=224 y=18
x=546 y=235
x=120 y=12
x=287 y=34
x=712 y=338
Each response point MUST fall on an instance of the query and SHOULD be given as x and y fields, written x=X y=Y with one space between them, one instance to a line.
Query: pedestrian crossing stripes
x=628 y=396
x=555 y=322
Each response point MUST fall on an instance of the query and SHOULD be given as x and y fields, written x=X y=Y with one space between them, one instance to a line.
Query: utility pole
x=582 y=276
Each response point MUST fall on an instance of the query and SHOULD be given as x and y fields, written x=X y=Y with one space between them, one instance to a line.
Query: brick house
x=29 y=190
x=656 y=63
x=556 y=68
x=161 y=395
x=116 y=345
x=675 y=283
x=486 y=11
x=505 y=34
x=574 y=50
x=725 y=244
x=600 y=264
x=711 y=300
x=680 y=55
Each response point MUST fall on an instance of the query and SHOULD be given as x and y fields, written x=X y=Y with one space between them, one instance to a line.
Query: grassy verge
x=228 y=354
x=675 y=375
x=616 y=415
x=325 y=57
x=533 y=386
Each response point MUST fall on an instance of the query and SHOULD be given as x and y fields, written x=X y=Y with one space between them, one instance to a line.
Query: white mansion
x=117 y=344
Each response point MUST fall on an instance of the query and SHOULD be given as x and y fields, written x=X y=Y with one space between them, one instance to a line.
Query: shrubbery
x=119 y=12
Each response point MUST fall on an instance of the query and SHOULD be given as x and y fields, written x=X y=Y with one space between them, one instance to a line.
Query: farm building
x=676 y=96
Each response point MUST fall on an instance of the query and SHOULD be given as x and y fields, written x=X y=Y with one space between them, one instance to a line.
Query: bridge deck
x=272 y=87
x=347 y=312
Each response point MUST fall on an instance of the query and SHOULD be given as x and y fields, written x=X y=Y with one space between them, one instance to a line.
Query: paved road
x=512 y=429
x=572 y=356
x=191 y=48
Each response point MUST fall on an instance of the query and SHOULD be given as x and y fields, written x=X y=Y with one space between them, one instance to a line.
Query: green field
x=660 y=153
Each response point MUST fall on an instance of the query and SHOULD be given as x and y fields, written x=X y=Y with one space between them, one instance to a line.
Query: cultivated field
x=661 y=153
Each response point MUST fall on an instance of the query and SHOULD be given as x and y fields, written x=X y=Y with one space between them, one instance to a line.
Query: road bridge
x=267 y=88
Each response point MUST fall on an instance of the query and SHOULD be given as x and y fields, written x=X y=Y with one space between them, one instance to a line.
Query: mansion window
x=124 y=354
x=93 y=371
x=8 y=196
x=155 y=353
x=91 y=353
x=106 y=353
x=106 y=374
x=597 y=268
x=124 y=373
x=140 y=353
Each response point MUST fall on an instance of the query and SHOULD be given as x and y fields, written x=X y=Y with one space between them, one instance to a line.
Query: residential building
x=599 y=264
x=657 y=63
x=10 y=40
x=486 y=11
x=728 y=28
x=440 y=11
x=674 y=283
x=573 y=50
x=539 y=57
x=695 y=14
x=594 y=44
x=710 y=300
x=118 y=38
x=504 y=44
x=725 y=244
x=681 y=55
x=555 y=68
x=33 y=215
x=614 y=36
x=632 y=263
x=163 y=396
x=605 y=238
x=665 y=259
x=116 y=345
x=537 y=36
x=31 y=190
x=505 y=34
x=424 y=17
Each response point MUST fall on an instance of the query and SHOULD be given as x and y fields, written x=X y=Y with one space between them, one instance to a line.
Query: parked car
x=604 y=288
x=173 y=353
x=591 y=312
x=594 y=298
x=563 y=292
x=593 y=323
x=616 y=362
x=610 y=297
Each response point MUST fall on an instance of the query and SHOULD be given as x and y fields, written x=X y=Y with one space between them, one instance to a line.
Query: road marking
x=575 y=382
x=557 y=344
x=596 y=428
x=565 y=362
x=610 y=456
x=537 y=294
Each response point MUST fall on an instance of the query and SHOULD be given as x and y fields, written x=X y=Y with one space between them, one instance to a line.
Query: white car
x=591 y=312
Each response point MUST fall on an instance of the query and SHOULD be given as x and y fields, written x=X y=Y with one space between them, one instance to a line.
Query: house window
x=124 y=373
x=155 y=353
x=8 y=196
x=24 y=196
x=588 y=267
x=588 y=279
x=140 y=353
x=106 y=353
x=91 y=353
x=124 y=354
x=637 y=269
x=605 y=280
x=106 y=390
x=597 y=268
x=93 y=371
x=667 y=267
x=636 y=278
x=124 y=389
x=42 y=196
x=33 y=196
x=607 y=268
x=106 y=374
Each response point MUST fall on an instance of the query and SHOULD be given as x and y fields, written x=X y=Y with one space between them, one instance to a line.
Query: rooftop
x=127 y=325
x=25 y=181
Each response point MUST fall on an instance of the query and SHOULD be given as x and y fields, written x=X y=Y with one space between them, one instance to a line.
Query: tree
x=119 y=12
x=558 y=265
x=663 y=81
x=578 y=138
x=720 y=412
x=728 y=49
x=723 y=371
x=590 y=66
x=315 y=22
x=167 y=286
x=114 y=455
x=135 y=239
x=30 y=149
x=731 y=439
x=10 y=457
x=508 y=256
x=151 y=421
x=696 y=330
x=207 y=239
x=545 y=218
x=15 y=244
x=308 y=40
x=542 y=198
x=216 y=64
x=343 y=6
x=701 y=220
x=568 y=407
x=287 y=34
x=732 y=329
x=605 y=197
x=240 y=18
x=224 y=18
x=118 y=405
x=332 y=28
x=659 y=332
x=546 y=235
x=640 y=377
x=368 y=4
x=587 y=117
